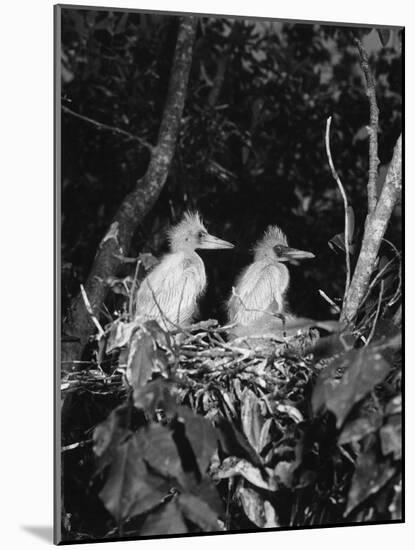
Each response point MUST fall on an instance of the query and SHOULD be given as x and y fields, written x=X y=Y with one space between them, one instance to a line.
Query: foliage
x=187 y=431
x=206 y=435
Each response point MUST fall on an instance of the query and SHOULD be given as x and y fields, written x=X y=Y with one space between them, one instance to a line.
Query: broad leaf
x=140 y=360
x=347 y=380
x=130 y=489
x=158 y=334
x=232 y=467
x=234 y=443
x=331 y=345
x=198 y=512
x=107 y=437
x=355 y=430
x=156 y=394
x=370 y=476
x=120 y=334
x=265 y=434
x=207 y=491
x=201 y=435
x=251 y=418
x=166 y=521
x=391 y=436
x=257 y=508
x=384 y=35
x=160 y=452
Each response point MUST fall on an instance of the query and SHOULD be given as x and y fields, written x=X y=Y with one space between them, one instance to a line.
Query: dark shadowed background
x=251 y=147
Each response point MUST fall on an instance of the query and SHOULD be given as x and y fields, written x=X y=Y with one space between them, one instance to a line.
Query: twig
x=392 y=246
x=181 y=329
x=75 y=362
x=181 y=300
x=280 y=316
x=375 y=280
x=329 y=300
x=101 y=331
x=131 y=304
x=398 y=291
x=343 y=194
x=372 y=129
x=76 y=445
x=372 y=332
x=102 y=126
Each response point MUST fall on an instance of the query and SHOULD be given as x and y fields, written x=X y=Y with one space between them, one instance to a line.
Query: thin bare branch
x=372 y=128
x=114 y=129
x=132 y=293
x=329 y=300
x=372 y=332
x=91 y=313
x=343 y=194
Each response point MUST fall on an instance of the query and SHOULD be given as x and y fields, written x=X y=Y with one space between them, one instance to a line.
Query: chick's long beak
x=210 y=242
x=294 y=254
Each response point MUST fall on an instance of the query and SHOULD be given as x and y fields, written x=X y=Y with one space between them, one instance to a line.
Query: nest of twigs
x=206 y=367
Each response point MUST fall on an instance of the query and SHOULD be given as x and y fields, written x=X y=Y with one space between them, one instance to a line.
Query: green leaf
x=166 y=521
x=395 y=507
x=370 y=476
x=333 y=344
x=394 y=406
x=233 y=466
x=360 y=427
x=155 y=395
x=251 y=418
x=130 y=489
x=384 y=35
x=257 y=508
x=207 y=491
x=199 y=512
x=391 y=436
x=201 y=435
x=347 y=380
x=140 y=359
x=234 y=443
x=120 y=334
x=160 y=452
x=107 y=437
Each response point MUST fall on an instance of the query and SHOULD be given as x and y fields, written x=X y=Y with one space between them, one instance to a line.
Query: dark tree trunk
x=138 y=202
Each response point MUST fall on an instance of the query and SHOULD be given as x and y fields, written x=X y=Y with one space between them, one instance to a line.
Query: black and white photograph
x=229 y=274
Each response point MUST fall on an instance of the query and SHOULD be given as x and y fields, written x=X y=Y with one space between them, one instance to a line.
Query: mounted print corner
x=229 y=289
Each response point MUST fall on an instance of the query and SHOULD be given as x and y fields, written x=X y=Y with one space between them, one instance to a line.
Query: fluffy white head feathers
x=273 y=236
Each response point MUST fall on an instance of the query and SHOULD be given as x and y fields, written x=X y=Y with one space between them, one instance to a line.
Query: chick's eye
x=278 y=250
x=200 y=235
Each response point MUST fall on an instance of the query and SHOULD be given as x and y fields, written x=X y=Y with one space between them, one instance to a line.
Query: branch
x=343 y=194
x=114 y=129
x=91 y=313
x=375 y=228
x=141 y=199
x=372 y=129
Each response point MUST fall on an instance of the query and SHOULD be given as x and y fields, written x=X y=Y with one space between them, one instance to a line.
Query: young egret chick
x=261 y=288
x=170 y=292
